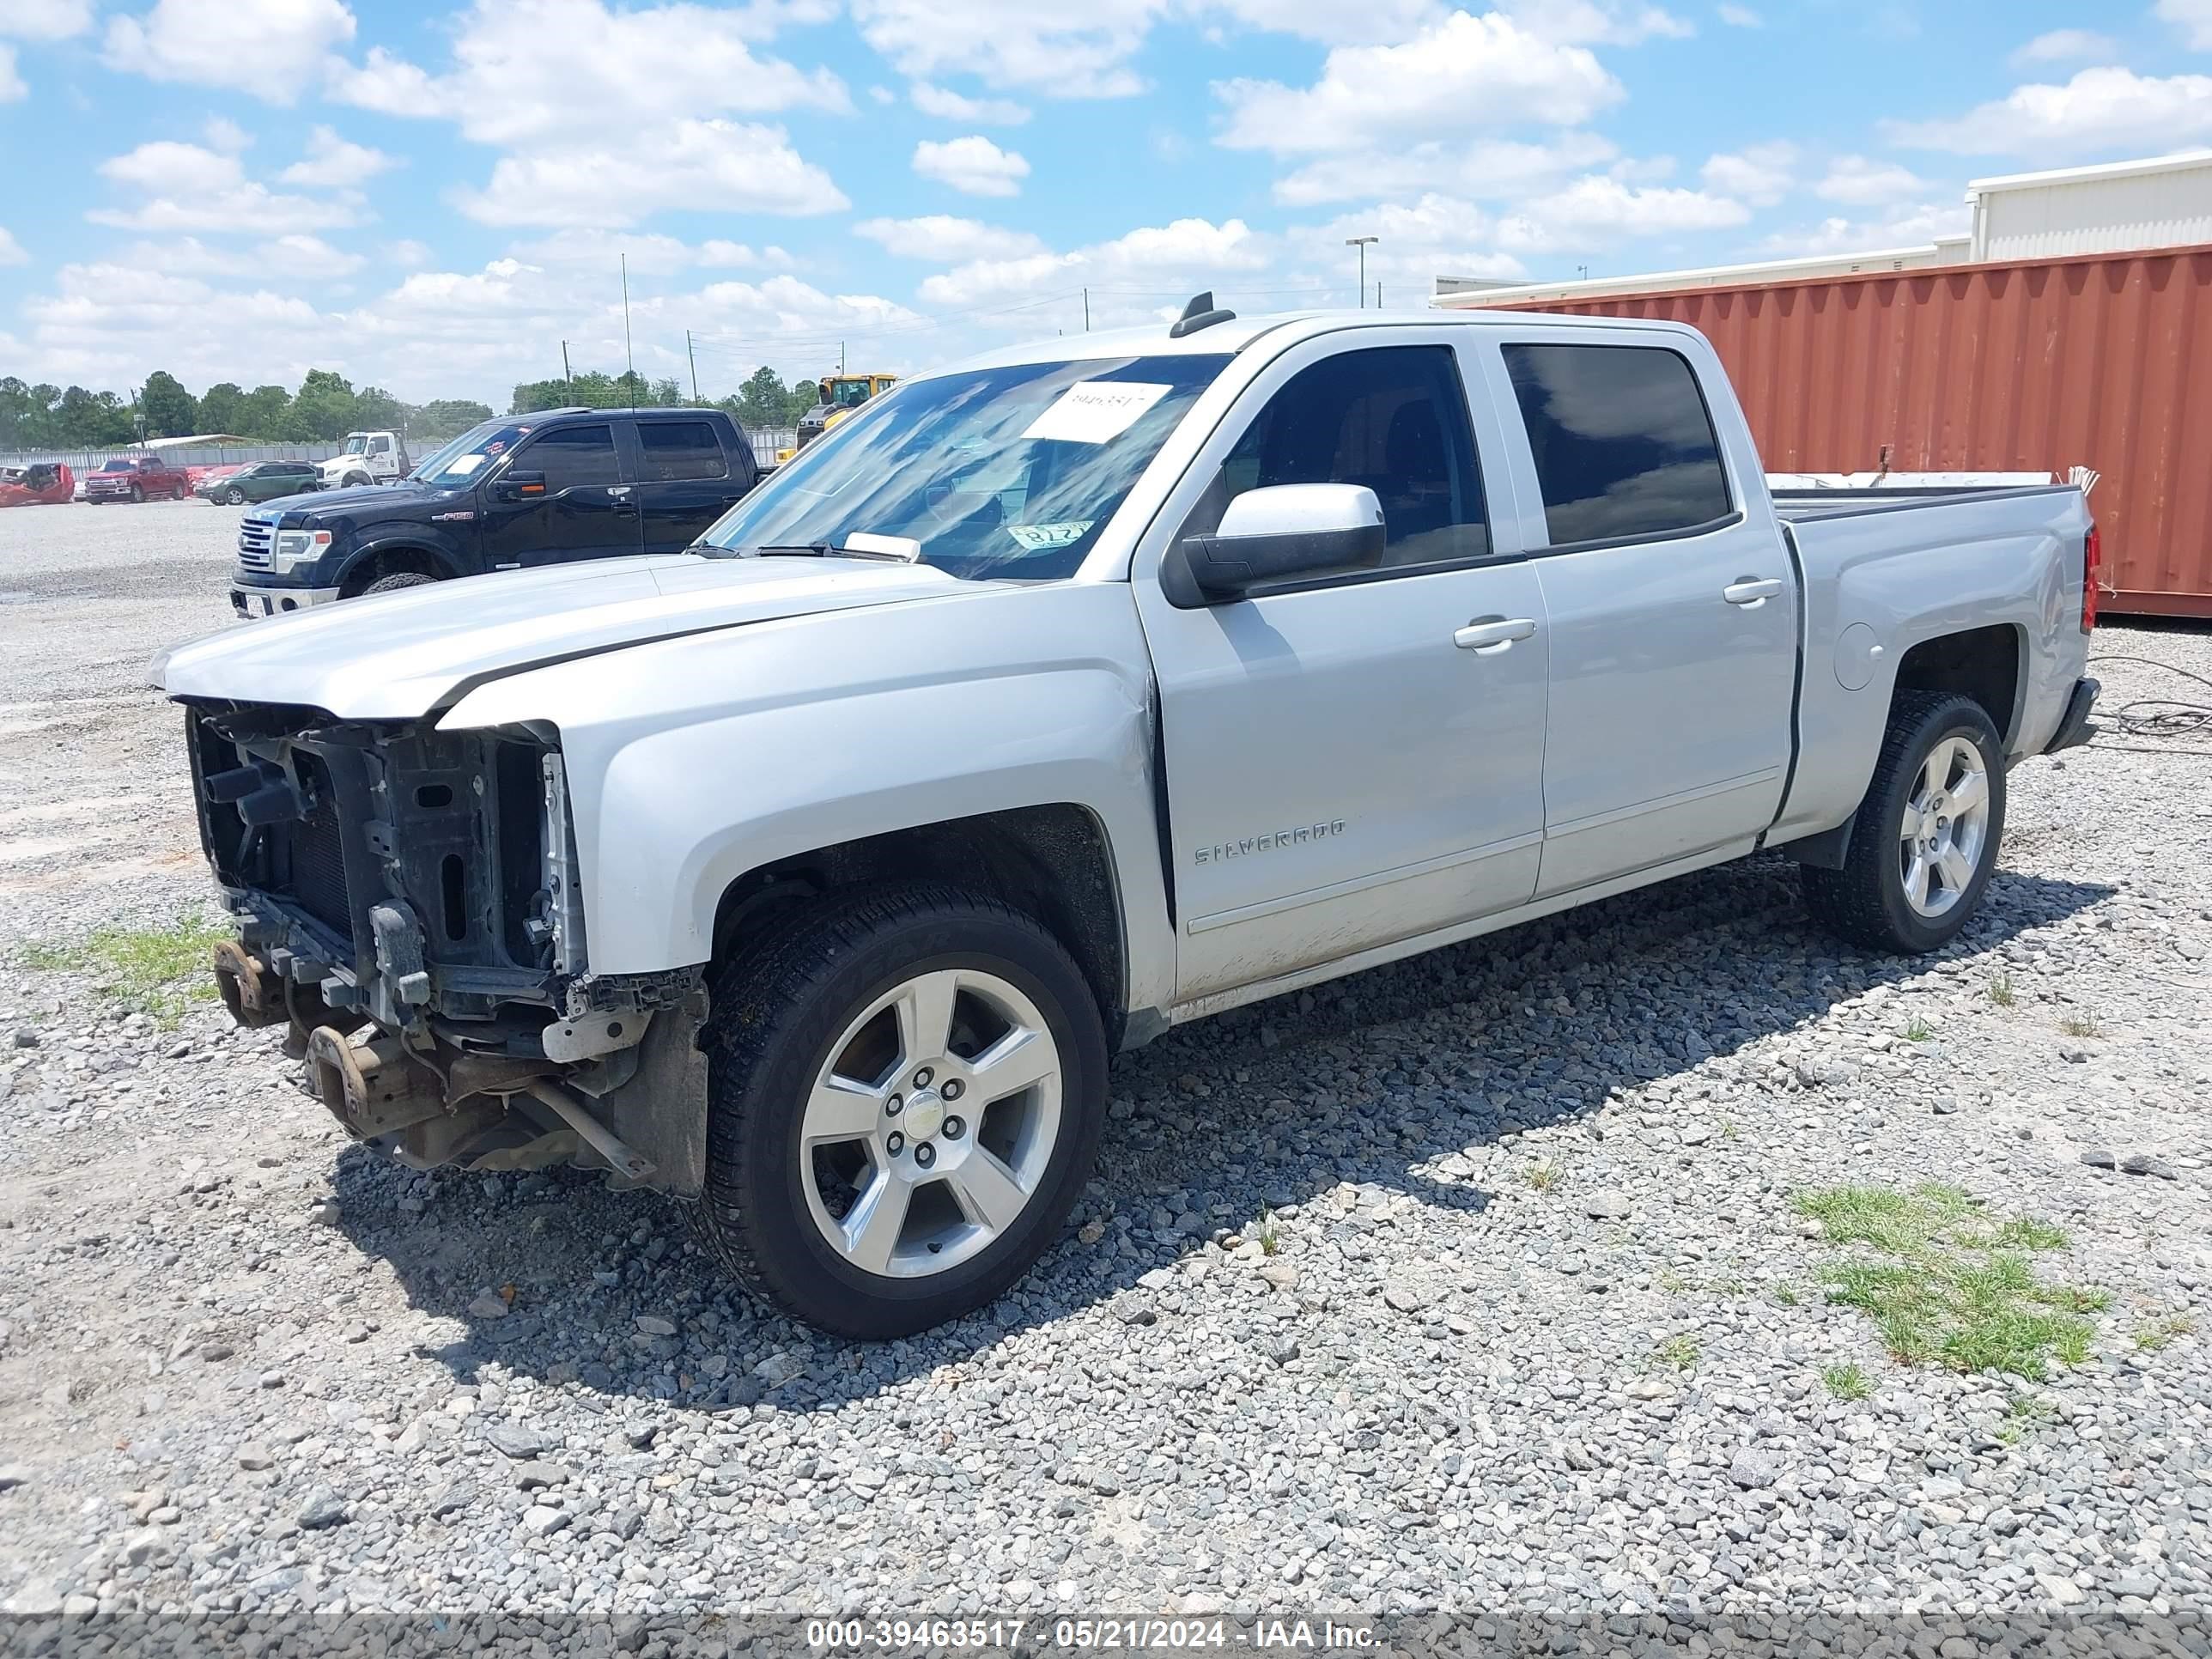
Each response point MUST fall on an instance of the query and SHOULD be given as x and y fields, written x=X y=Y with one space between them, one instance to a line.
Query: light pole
x=1361 y=242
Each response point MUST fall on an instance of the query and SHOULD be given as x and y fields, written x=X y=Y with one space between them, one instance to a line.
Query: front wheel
x=906 y=1090
x=395 y=580
x=236 y=497
x=138 y=493
x=1926 y=838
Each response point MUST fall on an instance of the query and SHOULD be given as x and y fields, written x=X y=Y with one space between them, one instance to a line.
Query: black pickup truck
x=521 y=490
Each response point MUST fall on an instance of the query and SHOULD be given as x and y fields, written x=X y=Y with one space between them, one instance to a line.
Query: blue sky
x=432 y=198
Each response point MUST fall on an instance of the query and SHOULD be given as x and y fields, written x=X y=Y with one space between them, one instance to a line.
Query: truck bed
x=1803 y=505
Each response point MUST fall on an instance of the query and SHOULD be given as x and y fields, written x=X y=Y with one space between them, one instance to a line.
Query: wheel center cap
x=925 y=1115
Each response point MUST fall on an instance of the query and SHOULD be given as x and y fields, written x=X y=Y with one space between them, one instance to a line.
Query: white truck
x=815 y=874
x=367 y=457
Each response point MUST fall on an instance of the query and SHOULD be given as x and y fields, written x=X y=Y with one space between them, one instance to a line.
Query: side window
x=379 y=445
x=1624 y=444
x=570 y=456
x=681 y=449
x=1394 y=419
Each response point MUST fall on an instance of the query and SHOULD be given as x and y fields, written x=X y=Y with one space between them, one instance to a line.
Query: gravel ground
x=1472 y=1283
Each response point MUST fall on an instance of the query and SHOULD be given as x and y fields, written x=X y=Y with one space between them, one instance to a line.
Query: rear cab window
x=1623 y=445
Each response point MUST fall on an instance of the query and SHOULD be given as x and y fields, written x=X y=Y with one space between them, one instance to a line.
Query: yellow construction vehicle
x=841 y=394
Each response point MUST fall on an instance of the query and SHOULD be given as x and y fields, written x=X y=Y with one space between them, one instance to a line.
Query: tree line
x=763 y=401
x=326 y=407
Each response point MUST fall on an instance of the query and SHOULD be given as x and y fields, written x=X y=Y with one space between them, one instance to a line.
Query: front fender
x=693 y=761
x=444 y=551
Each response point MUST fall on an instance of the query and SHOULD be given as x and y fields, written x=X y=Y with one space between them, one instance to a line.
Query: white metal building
x=2163 y=202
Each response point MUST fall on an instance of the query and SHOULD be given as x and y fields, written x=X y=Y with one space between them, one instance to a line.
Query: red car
x=41 y=482
x=134 y=478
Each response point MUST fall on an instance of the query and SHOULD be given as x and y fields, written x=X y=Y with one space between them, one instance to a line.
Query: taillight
x=2093 y=562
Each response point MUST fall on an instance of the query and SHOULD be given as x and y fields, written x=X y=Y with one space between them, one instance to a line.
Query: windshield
x=355 y=444
x=1000 y=472
x=847 y=393
x=461 y=458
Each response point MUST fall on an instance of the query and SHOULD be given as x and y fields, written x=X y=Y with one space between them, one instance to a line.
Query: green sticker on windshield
x=1043 y=537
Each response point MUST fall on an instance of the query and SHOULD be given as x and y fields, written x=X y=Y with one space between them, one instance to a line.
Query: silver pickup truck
x=813 y=874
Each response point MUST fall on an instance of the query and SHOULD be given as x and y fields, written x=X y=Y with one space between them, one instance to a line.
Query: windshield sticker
x=1096 y=411
x=462 y=465
x=1043 y=537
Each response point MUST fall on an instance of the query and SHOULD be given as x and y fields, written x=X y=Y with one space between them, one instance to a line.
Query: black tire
x=235 y=496
x=354 y=481
x=395 y=580
x=1864 y=903
x=138 y=493
x=776 y=1010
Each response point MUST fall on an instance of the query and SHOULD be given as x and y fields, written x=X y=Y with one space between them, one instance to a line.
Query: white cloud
x=331 y=159
x=977 y=111
x=1480 y=168
x=386 y=83
x=1761 y=174
x=108 y=323
x=1331 y=22
x=1858 y=182
x=2064 y=45
x=1060 y=50
x=46 y=20
x=11 y=251
x=2192 y=17
x=274 y=50
x=524 y=69
x=706 y=166
x=1909 y=226
x=1596 y=22
x=2099 y=109
x=1465 y=73
x=973 y=165
x=223 y=133
x=1433 y=235
x=1173 y=260
x=1739 y=17
x=407 y=253
x=938 y=238
x=11 y=84
x=184 y=187
x=297 y=256
x=649 y=254
x=1597 y=213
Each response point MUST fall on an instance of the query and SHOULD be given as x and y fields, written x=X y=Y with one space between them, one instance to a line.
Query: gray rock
x=1408 y=1295
x=538 y=1473
x=654 y=1325
x=1753 y=1469
x=1607 y=1206
x=254 y=1457
x=13 y=1475
x=2146 y=1163
x=2097 y=1157
x=490 y=1304
x=541 y=1520
x=324 y=1508
x=518 y=1440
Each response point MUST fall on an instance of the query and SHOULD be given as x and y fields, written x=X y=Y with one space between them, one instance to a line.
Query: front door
x=584 y=512
x=1356 y=758
x=1673 y=609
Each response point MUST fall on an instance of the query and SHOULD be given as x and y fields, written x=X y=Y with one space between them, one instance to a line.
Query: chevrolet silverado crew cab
x=814 y=873
x=512 y=493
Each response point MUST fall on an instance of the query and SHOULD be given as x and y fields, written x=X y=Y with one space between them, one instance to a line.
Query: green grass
x=2001 y=991
x=156 y=971
x=2081 y=1025
x=1918 y=1029
x=2159 y=1333
x=1270 y=1240
x=1847 y=1382
x=1678 y=1352
x=1541 y=1176
x=1950 y=1283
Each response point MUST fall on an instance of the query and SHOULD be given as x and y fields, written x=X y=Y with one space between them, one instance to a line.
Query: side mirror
x=1283 y=530
x=521 y=486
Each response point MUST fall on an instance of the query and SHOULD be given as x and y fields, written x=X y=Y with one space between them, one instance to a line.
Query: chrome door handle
x=1751 y=590
x=1490 y=634
x=618 y=490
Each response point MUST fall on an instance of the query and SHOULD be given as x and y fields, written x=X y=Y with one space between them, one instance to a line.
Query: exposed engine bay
x=409 y=908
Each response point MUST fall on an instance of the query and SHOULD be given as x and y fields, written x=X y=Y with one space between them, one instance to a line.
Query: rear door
x=1353 y=759
x=686 y=479
x=583 y=512
x=1674 y=609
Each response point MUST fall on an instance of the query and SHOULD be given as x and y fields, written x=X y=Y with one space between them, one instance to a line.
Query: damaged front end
x=409 y=909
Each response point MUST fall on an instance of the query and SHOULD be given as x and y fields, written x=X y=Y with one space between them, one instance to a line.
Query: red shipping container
x=2102 y=360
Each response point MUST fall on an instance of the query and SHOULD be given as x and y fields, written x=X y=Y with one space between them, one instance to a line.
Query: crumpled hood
x=399 y=656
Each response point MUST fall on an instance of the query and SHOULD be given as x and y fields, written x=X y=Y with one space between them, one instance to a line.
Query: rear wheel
x=395 y=580
x=1926 y=838
x=906 y=1088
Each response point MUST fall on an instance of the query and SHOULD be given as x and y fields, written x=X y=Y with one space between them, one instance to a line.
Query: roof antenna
x=1198 y=313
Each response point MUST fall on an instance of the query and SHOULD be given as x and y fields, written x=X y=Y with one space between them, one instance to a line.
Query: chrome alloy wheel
x=931 y=1124
x=1946 y=830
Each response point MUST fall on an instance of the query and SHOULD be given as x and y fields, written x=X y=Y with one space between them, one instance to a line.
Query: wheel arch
x=390 y=559
x=1985 y=664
